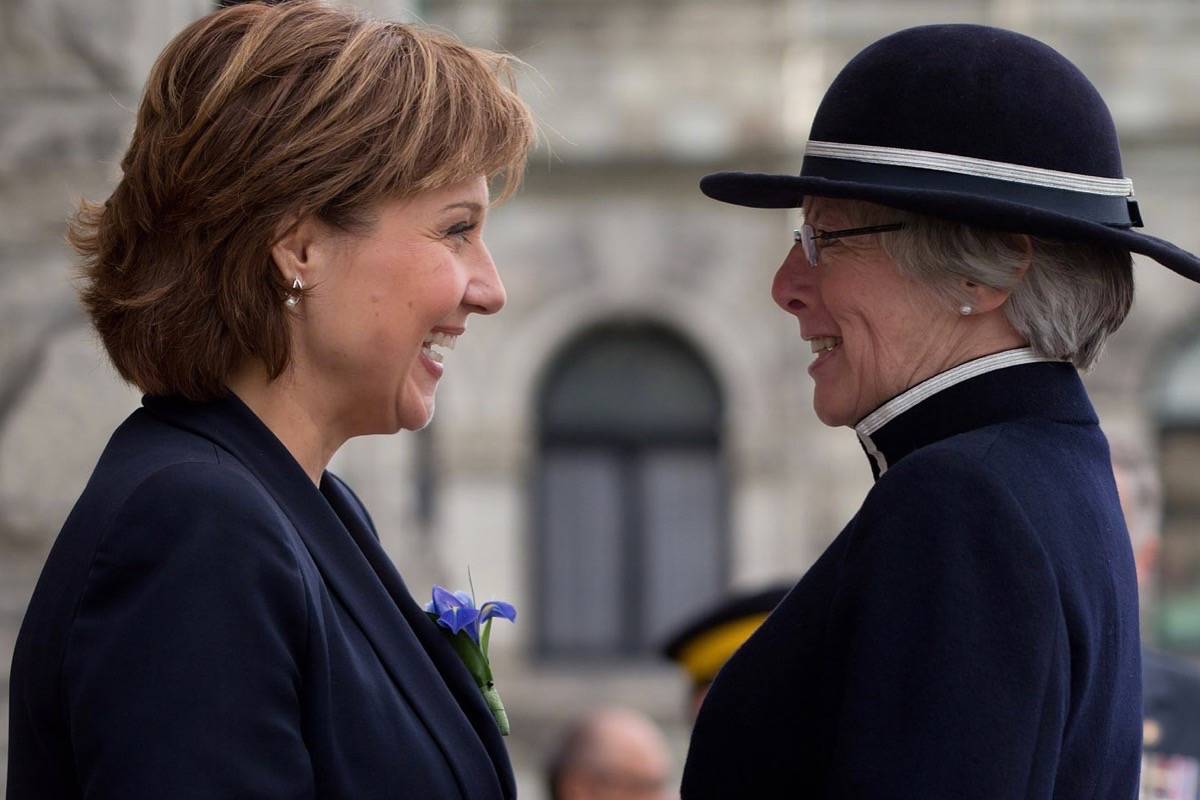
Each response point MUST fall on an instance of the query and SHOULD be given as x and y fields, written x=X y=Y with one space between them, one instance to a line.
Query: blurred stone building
x=633 y=436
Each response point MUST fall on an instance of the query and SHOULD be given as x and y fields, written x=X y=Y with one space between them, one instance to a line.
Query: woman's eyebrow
x=467 y=204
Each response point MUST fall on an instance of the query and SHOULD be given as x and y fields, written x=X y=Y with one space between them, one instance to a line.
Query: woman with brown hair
x=296 y=234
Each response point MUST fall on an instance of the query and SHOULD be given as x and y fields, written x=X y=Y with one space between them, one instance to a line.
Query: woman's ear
x=981 y=299
x=298 y=249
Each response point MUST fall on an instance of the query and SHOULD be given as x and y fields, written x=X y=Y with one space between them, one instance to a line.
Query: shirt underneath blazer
x=971 y=633
x=210 y=625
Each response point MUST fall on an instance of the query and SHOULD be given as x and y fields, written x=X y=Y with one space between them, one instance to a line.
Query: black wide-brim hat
x=969 y=123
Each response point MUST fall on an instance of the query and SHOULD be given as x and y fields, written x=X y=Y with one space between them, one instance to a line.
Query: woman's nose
x=485 y=291
x=793 y=285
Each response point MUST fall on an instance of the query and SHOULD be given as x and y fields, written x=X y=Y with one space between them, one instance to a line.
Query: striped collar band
x=893 y=408
x=978 y=167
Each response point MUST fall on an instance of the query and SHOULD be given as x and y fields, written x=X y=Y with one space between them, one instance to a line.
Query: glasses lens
x=809 y=243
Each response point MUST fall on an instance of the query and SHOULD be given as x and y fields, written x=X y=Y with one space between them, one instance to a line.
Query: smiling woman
x=381 y=302
x=296 y=237
x=973 y=630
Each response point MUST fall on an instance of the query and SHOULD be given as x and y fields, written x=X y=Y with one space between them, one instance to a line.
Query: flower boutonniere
x=458 y=618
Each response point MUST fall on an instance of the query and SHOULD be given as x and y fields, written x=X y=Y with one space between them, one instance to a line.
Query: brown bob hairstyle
x=254 y=117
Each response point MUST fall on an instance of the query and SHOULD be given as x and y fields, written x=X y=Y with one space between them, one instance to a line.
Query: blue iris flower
x=457 y=612
x=454 y=613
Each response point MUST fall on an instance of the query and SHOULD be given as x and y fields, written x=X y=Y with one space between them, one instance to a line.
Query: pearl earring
x=293 y=299
x=966 y=310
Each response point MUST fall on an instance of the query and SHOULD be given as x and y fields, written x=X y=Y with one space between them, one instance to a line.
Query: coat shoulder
x=953 y=479
x=950 y=504
x=153 y=468
x=162 y=498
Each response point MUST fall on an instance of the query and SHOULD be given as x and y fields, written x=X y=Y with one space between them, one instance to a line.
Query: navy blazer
x=209 y=624
x=971 y=633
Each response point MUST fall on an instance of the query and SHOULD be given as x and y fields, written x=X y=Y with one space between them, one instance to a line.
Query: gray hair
x=1068 y=302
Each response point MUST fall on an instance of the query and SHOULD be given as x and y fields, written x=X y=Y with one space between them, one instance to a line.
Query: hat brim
x=760 y=190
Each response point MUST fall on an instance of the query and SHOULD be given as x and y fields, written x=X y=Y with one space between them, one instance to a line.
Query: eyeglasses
x=808 y=237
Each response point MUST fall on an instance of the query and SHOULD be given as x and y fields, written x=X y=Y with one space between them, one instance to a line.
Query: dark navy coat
x=971 y=633
x=210 y=625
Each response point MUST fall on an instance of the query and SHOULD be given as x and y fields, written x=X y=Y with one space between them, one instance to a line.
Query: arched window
x=1178 y=620
x=630 y=493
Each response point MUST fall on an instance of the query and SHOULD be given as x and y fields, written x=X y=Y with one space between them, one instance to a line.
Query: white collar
x=931 y=386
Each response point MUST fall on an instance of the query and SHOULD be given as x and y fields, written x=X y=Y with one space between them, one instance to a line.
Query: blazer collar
x=996 y=388
x=445 y=660
x=366 y=582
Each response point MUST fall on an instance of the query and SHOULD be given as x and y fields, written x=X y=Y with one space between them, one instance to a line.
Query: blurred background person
x=704 y=644
x=1170 y=684
x=611 y=754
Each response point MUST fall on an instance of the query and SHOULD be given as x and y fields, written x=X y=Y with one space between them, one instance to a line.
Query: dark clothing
x=971 y=633
x=210 y=625
x=1171 y=699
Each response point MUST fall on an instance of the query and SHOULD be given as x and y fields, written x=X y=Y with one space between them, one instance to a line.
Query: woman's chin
x=426 y=418
x=831 y=413
x=417 y=412
x=831 y=421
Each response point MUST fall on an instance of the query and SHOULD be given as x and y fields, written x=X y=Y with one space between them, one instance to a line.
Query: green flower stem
x=497 y=706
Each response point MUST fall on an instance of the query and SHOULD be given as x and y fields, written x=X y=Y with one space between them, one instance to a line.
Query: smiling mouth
x=430 y=347
x=824 y=344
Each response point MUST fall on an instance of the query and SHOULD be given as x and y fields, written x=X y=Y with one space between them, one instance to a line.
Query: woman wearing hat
x=973 y=631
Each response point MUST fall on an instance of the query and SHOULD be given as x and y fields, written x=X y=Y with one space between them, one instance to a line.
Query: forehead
x=470 y=192
x=826 y=210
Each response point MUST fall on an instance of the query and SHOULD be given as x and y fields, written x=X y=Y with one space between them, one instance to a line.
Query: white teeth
x=436 y=339
x=445 y=340
x=431 y=354
x=823 y=344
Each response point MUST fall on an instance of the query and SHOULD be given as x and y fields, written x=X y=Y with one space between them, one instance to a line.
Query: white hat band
x=964 y=165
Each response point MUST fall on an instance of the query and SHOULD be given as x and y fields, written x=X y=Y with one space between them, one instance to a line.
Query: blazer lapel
x=446 y=661
x=349 y=575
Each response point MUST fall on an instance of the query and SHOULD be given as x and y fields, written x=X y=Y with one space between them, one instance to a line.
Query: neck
x=967 y=339
x=284 y=407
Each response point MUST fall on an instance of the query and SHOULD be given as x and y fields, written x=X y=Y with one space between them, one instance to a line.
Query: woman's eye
x=461 y=229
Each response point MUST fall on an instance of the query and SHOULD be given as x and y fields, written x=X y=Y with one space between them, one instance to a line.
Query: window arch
x=630 y=492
